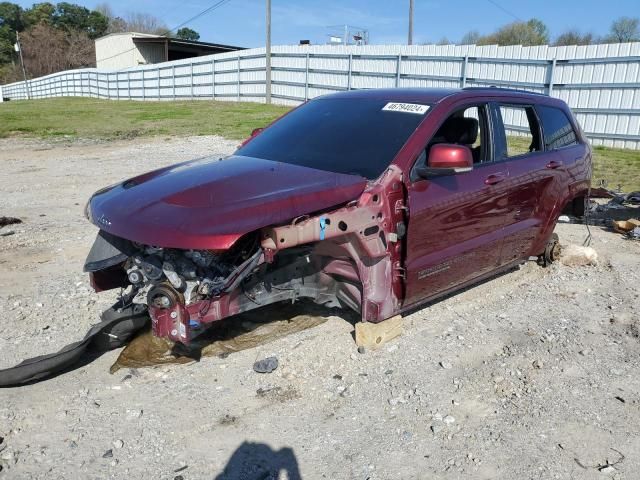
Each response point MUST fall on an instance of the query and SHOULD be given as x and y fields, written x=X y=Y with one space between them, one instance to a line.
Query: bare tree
x=623 y=30
x=574 y=37
x=145 y=23
x=470 y=38
x=47 y=50
x=133 y=22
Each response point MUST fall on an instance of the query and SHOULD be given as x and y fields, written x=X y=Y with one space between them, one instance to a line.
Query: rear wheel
x=551 y=251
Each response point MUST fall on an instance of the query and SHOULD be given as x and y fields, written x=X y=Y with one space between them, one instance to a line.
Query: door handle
x=554 y=164
x=494 y=178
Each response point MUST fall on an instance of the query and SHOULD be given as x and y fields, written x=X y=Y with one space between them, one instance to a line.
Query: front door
x=456 y=222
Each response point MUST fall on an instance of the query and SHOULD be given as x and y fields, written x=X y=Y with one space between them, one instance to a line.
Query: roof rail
x=506 y=89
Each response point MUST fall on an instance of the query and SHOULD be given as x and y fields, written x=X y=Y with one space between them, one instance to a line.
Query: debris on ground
x=576 y=256
x=626 y=226
x=4 y=221
x=266 y=365
x=629 y=228
x=247 y=330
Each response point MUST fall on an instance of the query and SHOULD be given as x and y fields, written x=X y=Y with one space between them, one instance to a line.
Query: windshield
x=357 y=136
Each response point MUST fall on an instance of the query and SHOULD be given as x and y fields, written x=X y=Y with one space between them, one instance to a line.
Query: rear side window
x=520 y=130
x=558 y=131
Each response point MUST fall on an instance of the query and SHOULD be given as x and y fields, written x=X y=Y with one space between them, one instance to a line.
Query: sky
x=242 y=22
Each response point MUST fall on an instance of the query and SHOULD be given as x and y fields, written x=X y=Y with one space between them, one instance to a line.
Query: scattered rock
x=108 y=454
x=608 y=470
x=266 y=365
x=118 y=444
x=449 y=420
x=537 y=364
x=7 y=233
x=446 y=365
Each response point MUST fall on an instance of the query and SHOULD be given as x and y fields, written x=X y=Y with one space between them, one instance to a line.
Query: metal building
x=130 y=49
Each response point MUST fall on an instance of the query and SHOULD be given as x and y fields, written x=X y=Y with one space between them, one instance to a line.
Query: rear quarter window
x=557 y=129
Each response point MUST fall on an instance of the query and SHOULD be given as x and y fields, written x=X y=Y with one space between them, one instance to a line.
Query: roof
x=179 y=42
x=186 y=43
x=434 y=95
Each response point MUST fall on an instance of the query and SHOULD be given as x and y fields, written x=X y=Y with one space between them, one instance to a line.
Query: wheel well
x=576 y=206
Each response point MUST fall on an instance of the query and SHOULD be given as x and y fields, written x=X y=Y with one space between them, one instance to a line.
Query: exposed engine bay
x=163 y=276
x=347 y=257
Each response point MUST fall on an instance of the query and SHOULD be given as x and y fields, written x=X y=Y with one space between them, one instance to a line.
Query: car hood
x=209 y=203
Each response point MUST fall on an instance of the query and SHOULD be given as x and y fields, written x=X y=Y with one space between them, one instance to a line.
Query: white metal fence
x=601 y=83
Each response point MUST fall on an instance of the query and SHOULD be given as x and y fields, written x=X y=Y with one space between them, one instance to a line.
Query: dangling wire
x=587 y=212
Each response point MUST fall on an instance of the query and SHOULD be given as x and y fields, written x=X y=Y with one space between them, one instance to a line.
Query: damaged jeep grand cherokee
x=376 y=200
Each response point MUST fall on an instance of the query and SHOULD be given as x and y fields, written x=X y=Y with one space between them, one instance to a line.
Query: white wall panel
x=600 y=82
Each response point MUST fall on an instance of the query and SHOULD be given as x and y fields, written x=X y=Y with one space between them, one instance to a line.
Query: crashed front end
x=349 y=256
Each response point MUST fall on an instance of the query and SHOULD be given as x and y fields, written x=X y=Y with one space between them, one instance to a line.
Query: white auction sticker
x=406 y=107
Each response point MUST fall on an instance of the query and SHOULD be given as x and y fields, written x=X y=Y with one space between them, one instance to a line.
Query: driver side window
x=467 y=126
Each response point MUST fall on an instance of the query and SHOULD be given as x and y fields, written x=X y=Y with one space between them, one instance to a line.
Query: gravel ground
x=532 y=375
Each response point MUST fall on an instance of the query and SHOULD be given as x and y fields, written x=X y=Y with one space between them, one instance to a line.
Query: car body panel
x=209 y=203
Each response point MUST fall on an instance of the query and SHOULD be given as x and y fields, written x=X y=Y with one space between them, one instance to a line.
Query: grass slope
x=108 y=119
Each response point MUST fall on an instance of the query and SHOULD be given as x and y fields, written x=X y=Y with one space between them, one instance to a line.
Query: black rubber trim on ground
x=117 y=327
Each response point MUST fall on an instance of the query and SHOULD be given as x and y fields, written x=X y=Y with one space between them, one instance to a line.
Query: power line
x=204 y=12
x=508 y=12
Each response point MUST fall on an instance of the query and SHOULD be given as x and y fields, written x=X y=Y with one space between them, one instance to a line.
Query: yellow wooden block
x=373 y=335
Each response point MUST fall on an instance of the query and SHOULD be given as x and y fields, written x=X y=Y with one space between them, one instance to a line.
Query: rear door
x=455 y=222
x=533 y=175
x=561 y=141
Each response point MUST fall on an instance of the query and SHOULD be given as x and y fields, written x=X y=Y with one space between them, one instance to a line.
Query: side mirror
x=447 y=159
x=254 y=133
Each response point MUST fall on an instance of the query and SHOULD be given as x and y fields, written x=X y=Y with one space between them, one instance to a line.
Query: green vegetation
x=110 y=119
x=618 y=167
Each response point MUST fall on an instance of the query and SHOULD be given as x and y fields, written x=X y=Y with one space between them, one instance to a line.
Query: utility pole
x=410 y=39
x=24 y=72
x=268 y=56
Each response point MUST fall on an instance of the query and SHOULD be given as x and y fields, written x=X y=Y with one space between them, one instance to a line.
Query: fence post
x=550 y=71
x=109 y=86
x=349 y=73
x=173 y=82
x=213 y=79
x=117 y=85
x=191 y=80
x=143 y=87
x=238 y=73
x=463 y=80
x=159 y=97
x=398 y=65
x=129 y=84
x=306 y=78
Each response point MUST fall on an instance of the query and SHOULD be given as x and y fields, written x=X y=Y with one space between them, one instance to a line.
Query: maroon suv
x=375 y=200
